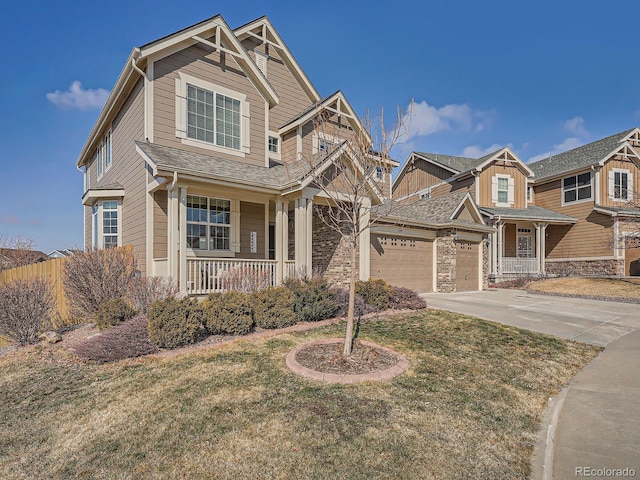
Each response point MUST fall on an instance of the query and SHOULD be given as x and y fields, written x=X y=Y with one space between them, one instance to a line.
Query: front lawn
x=624 y=289
x=468 y=407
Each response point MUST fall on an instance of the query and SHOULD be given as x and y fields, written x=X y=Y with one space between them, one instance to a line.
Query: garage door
x=467 y=275
x=632 y=257
x=403 y=262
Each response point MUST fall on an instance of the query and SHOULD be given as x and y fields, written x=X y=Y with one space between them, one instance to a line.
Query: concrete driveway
x=589 y=321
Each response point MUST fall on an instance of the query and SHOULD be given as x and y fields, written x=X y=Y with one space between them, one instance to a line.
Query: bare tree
x=17 y=251
x=345 y=169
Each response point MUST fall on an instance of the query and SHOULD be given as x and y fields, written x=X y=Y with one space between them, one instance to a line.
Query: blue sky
x=539 y=76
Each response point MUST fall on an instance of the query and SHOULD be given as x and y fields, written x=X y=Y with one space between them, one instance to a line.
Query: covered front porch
x=518 y=245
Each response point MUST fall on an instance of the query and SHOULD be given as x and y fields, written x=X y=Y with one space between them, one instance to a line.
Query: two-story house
x=205 y=159
x=572 y=213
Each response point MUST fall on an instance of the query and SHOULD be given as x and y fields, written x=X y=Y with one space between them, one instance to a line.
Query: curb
x=544 y=452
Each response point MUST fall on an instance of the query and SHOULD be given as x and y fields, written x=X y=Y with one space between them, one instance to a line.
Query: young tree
x=17 y=252
x=345 y=170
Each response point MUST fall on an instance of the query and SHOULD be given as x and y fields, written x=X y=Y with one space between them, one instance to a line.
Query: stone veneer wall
x=485 y=263
x=585 y=267
x=331 y=256
x=446 y=248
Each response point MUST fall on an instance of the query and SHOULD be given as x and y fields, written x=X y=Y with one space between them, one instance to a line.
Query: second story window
x=502 y=190
x=620 y=185
x=576 y=188
x=213 y=118
x=274 y=144
x=379 y=173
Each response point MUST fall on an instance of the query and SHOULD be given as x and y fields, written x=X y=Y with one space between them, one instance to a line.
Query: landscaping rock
x=50 y=337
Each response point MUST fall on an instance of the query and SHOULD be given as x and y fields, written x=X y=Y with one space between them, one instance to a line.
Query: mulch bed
x=327 y=358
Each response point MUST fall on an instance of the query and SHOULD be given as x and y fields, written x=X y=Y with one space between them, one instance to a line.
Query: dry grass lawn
x=614 y=288
x=468 y=407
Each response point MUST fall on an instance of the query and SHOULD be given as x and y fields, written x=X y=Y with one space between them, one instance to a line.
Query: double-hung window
x=103 y=154
x=109 y=223
x=620 y=185
x=503 y=190
x=208 y=223
x=576 y=188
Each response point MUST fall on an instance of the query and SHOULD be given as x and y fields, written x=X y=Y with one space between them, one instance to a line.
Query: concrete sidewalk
x=596 y=419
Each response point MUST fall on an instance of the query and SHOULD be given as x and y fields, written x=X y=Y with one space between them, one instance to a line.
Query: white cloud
x=567 y=144
x=576 y=127
x=476 y=151
x=427 y=119
x=77 y=97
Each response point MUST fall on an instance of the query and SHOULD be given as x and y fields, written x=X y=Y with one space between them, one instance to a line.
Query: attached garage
x=467 y=266
x=403 y=261
x=632 y=256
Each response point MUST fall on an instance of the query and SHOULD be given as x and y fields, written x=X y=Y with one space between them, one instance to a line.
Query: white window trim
x=276 y=155
x=233 y=211
x=315 y=141
x=382 y=176
x=612 y=185
x=576 y=202
x=510 y=191
x=99 y=235
x=181 y=115
x=99 y=162
x=108 y=160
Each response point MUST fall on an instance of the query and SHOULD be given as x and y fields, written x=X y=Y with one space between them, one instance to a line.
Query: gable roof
x=134 y=67
x=532 y=212
x=584 y=156
x=451 y=162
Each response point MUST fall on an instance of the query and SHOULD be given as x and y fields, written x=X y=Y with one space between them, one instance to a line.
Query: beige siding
x=199 y=63
x=604 y=180
x=308 y=131
x=590 y=237
x=418 y=176
x=251 y=220
x=160 y=206
x=510 y=241
x=466 y=184
x=128 y=169
x=87 y=227
x=289 y=150
x=520 y=185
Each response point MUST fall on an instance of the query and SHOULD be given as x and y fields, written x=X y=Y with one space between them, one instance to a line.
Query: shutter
x=494 y=189
x=612 y=186
x=246 y=127
x=181 y=108
x=631 y=196
x=512 y=188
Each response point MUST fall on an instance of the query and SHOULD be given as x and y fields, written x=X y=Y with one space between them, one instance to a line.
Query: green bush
x=273 y=308
x=175 y=323
x=114 y=312
x=229 y=313
x=313 y=301
x=375 y=292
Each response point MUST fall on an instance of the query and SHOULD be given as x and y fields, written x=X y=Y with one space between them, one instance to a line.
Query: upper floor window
x=502 y=190
x=620 y=185
x=103 y=154
x=324 y=145
x=274 y=144
x=379 y=173
x=529 y=194
x=208 y=223
x=576 y=188
x=211 y=117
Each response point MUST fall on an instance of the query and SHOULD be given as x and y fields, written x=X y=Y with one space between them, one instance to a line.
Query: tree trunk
x=348 y=338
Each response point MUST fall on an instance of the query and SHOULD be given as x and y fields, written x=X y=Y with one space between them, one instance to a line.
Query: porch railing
x=523 y=266
x=219 y=275
x=289 y=268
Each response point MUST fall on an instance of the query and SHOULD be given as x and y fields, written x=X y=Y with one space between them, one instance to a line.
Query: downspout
x=134 y=64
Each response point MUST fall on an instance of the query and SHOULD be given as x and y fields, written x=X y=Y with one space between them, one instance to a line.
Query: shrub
x=144 y=291
x=313 y=301
x=375 y=292
x=127 y=340
x=341 y=297
x=245 y=279
x=406 y=299
x=273 y=308
x=26 y=308
x=114 y=312
x=229 y=313
x=94 y=277
x=175 y=323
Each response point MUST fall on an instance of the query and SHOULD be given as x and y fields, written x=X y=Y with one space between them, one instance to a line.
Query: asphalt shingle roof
x=459 y=164
x=626 y=210
x=583 y=156
x=532 y=212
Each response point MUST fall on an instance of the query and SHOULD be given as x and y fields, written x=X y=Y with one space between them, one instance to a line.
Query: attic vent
x=261 y=62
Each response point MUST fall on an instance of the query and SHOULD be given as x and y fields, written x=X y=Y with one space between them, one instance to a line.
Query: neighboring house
x=18 y=257
x=65 y=252
x=573 y=213
x=203 y=159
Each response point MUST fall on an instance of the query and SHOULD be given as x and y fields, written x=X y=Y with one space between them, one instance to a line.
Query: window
x=274 y=144
x=529 y=194
x=425 y=195
x=213 y=117
x=379 y=173
x=576 y=188
x=620 y=185
x=99 y=160
x=503 y=190
x=94 y=225
x=107 y=151
x=324 y=145
x=109 y=224
x=208 y=223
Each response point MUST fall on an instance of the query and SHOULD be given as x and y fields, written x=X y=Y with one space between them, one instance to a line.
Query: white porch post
x=364 y=240
x=538 y=245
x=543 y=247
x=172 y=233
x=285 y=232
x=300 y=233
x=500 y=245
x=182 y=241
x=309 y=236
x=494 y=251
x=280 y=255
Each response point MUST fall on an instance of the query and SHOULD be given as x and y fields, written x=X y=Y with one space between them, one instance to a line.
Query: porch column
x=500 y=245
x=280 y=254
x=494 y=251
x=172 y=233
x=182 y=241
x=538 y=230
x=364 y=240
x=543 y=247
x=309 y=236
x=300 y=233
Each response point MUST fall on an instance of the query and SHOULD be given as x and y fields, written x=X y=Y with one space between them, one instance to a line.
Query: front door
x=524 y=246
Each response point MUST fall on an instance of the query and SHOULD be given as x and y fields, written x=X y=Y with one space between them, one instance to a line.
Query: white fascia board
x=92 y=195
x=148 y=159
x=288 y=57
x=471 y=205
x=631 y=133
x=518 y=161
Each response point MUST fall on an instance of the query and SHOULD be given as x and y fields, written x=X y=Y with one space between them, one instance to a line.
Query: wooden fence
x=52 y=269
